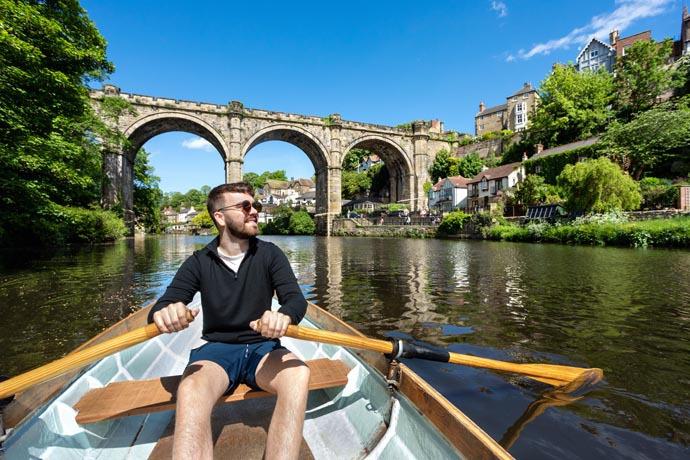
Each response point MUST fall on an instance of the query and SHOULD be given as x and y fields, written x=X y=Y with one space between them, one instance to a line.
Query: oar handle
x=336 y=338
x=79 y=359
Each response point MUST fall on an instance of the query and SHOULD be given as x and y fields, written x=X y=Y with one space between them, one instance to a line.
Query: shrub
x=598 y=186
x=453 y=223
x=79 y=225
x=301 y=224
x=658 y=193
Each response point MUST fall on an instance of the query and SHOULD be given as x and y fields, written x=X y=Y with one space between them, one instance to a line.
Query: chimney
x=481 y=106
x=540 y=147
x=613 y=37
x=524 y=156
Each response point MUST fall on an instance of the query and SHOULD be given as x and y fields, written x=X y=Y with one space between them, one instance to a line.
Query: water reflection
x=627 y=311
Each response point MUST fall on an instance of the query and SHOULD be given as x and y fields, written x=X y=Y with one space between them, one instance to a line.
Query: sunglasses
x=245 y=206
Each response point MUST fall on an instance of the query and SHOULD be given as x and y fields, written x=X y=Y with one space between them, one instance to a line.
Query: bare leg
x=283 y=374
x=202 y=384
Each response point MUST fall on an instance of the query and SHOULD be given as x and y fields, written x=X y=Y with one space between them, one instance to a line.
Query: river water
x=626 y=311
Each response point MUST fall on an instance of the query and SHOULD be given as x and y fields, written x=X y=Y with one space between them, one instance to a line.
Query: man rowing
x=237 y=275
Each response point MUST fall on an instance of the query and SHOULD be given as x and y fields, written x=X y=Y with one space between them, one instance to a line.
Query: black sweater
x=231 y=300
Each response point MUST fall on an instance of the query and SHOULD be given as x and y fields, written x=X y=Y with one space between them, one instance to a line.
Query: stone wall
x=362 y=227
x=483 y=149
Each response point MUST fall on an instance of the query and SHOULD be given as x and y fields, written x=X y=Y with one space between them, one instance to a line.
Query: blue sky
x=378 y=62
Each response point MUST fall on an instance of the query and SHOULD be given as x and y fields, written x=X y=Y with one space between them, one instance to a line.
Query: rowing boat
x=360 y=406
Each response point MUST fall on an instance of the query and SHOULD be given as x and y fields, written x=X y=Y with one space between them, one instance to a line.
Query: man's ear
x=218 y=218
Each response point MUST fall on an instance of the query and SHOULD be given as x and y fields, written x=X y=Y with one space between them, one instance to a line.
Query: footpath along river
x=624 y=310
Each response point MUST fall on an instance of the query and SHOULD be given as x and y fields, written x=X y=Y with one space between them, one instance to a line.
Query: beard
x=241 y=231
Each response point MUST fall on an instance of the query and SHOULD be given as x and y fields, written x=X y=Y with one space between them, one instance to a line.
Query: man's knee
x=295 y=378
x=200 y=387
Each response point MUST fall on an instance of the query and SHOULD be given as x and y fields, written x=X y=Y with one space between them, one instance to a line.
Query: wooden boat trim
x=447 y=418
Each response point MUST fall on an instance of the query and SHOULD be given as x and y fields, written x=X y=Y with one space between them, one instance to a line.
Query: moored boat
x=376 y=411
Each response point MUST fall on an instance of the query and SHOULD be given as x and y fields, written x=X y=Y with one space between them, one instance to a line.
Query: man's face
x=236 y=220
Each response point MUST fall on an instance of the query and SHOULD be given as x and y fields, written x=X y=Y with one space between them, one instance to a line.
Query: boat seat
x=133 y=397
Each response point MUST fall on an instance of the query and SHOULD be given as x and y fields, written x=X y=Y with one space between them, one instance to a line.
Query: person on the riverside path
x=236 y=274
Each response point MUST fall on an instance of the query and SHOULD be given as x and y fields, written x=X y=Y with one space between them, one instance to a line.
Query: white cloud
x=197 y=143
x=500 y=8
x=625 y=14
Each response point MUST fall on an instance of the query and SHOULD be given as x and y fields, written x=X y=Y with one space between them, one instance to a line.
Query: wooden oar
x=79 y=359
x=565 y=377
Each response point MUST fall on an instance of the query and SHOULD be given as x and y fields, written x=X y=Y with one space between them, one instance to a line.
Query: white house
x=451 y=195
x=486 y=188
x=595 y=55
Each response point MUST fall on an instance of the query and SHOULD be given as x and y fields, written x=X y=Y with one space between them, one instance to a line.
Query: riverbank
x=669 y=233
x=606 y=230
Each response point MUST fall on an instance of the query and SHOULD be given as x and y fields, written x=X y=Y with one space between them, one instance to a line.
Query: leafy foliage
x=444 y=165
x=354 y=184
x=453 y=223
x=48 y=153
x=574 y=105
x=288 y=222
x=598 y=186
x=658 y=193
x=549 y=167
x=258 y=181
x=302 y=224
x=534 y=191
x=656 y=135
x=147 y=194
x=658 y=233
x=470 y=165
x=642 y=76
x=203 y=220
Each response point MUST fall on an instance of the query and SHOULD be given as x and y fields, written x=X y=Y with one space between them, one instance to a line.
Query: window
x=594 y=67
x=520 y=119
x=594 y=53
x=485 y=184
x=518 y=107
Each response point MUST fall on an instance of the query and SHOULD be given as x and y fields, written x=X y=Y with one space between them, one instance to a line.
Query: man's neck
x=231 y=245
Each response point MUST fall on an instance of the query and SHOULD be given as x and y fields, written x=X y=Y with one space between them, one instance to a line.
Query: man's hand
x=173 y=318
x=272 y=324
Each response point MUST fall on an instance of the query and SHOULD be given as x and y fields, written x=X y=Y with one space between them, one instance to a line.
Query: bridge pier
x=117 y=186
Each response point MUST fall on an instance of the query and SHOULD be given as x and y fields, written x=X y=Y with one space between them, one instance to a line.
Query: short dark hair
x=214 y=196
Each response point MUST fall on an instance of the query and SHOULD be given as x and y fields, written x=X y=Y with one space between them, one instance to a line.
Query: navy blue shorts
x=239 y=360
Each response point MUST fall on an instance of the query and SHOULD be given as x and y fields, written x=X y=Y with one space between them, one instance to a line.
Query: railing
x=428 y=221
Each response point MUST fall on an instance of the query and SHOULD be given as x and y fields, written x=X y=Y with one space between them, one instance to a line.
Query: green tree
x=443 y=166
x=574 y=105
x=280 y=225
x=642 y=75
x=203 y=219
x=658 y=193
x=301 y=224
x=354 y=183
x=531 y=191
x=598 y=186
x=661 y=134
x=48 y=153
x=354 y=158
x=470 y=165
x=147 y=194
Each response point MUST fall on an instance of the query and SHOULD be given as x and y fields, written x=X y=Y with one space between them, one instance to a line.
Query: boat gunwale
x=464 y=434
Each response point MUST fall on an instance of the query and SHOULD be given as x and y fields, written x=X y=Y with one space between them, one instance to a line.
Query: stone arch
x=397 y=162
x=149 y=126
x=295 y=135
x=310 y=144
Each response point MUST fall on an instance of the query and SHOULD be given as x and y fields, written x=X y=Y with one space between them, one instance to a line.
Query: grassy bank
x=657 y=233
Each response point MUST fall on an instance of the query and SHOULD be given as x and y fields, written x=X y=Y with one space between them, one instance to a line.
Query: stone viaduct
x=234 y=130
